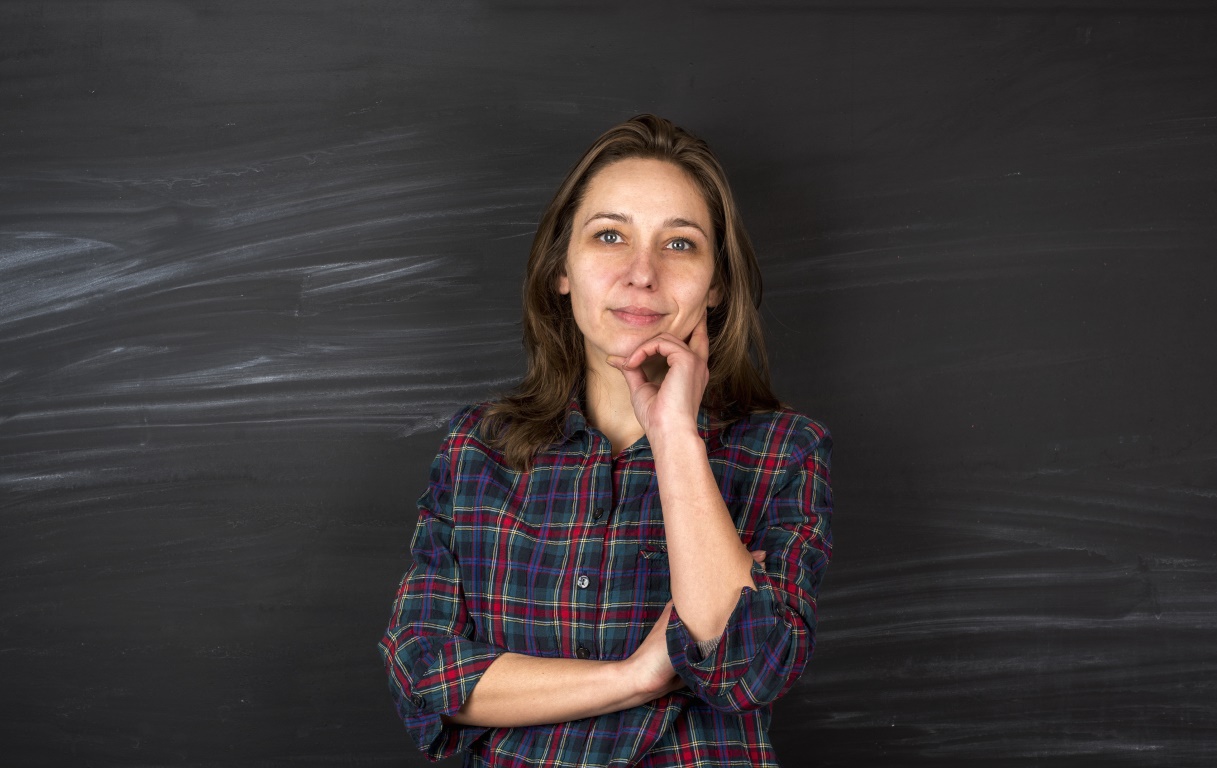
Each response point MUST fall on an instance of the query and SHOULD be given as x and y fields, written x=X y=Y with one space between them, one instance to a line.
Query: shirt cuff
x=756 y=634
x=445 y=683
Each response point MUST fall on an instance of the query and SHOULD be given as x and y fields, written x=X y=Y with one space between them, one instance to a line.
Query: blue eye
x=609 y=237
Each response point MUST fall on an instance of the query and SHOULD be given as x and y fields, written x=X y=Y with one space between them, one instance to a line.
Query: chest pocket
x=654 y=577
x=652 y=571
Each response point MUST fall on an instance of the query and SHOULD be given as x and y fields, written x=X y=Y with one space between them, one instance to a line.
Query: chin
x=621 y=345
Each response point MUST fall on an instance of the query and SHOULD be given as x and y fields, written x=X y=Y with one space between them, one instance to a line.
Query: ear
x=715 y=296
x=563 y=283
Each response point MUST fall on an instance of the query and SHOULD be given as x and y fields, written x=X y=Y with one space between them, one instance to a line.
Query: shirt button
x=583 y=653
x=583 y=582
x=419 y=701
x=599 y=513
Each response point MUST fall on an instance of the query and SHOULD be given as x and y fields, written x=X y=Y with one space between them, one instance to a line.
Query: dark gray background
x=252 y=255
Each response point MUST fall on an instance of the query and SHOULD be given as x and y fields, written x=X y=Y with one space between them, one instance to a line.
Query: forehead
x=647 y=187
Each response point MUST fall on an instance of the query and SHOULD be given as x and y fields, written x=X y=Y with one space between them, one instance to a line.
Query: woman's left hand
x=673 y=402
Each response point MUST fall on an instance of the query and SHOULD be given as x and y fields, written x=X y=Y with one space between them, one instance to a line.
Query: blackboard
x=253 y=255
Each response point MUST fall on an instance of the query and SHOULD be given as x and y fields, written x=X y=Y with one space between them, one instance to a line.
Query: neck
x=608 y=404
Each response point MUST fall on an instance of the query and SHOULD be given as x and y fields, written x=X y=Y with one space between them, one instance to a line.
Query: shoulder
x=781 y=436
x=467 y=420
x=468 y=434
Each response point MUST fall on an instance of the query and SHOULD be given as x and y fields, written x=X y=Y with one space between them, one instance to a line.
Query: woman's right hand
x=649 y=665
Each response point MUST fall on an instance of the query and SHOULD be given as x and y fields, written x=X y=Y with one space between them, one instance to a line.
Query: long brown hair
x=532 y=415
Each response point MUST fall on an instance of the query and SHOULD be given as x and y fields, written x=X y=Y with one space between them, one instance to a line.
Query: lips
x=643 y=311
x=640 y=316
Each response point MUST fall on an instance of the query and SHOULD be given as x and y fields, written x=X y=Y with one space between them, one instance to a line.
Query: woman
x=618 y=563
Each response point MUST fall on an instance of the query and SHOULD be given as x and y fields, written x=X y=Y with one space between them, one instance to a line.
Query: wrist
x=628 y=680
x=677 y=433
x=641 y=687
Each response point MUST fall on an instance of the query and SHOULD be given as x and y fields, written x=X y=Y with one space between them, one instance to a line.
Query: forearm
x=709 y=564
x=518 y=690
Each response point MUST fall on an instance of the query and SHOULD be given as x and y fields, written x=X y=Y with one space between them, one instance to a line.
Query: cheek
x=582 y=297
x=587 y=285
x=699 y=288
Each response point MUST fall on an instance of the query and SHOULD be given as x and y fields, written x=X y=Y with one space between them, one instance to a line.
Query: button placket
x=602 y=479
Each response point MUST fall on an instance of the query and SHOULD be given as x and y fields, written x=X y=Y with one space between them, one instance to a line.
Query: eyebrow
x=675 y=221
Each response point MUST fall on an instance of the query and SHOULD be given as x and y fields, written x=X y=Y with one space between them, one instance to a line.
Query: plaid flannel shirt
x=569 y=560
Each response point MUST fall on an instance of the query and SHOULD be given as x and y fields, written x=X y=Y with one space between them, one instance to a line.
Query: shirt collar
x=575 y=422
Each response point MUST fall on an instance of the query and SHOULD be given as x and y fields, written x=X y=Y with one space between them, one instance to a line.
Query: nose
x=640 y=272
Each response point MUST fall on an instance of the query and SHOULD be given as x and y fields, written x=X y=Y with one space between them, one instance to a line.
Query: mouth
x=637 y=316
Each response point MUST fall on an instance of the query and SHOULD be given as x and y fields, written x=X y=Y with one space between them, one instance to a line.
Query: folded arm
x=765 y=629
x=519 y=689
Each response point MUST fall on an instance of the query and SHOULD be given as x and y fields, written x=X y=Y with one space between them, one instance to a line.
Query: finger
x=620 y=363
x=699 y=341
x=634 y=378
x=664 y=345
x=759 y=555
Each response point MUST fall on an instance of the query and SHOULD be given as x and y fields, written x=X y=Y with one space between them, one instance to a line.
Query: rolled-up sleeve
x=430 y=649
x=771 y=632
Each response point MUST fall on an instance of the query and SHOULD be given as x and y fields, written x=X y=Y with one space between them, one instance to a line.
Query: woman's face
x=640 y=261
